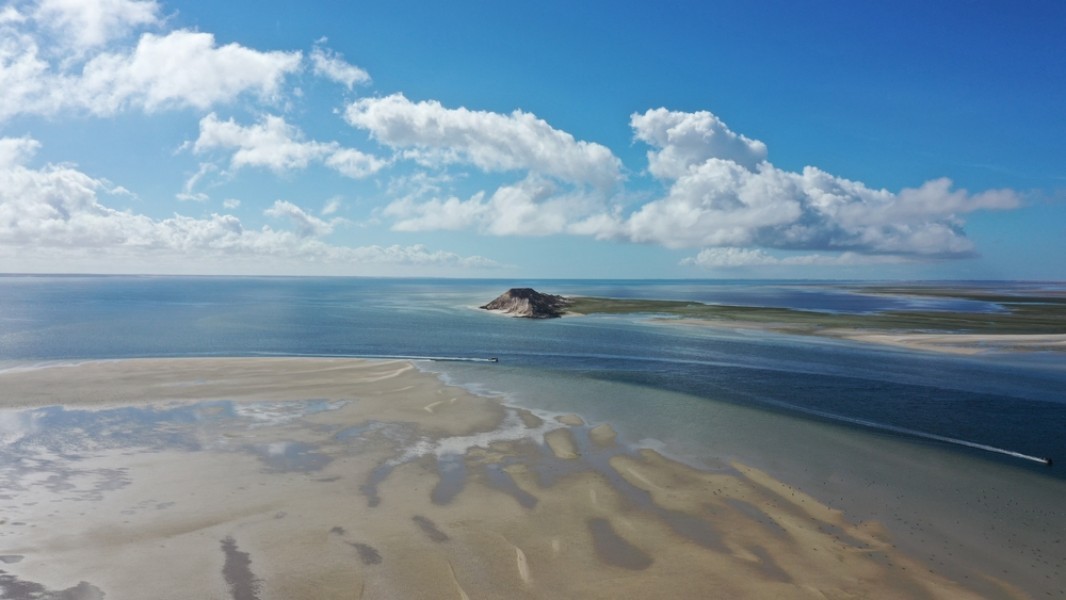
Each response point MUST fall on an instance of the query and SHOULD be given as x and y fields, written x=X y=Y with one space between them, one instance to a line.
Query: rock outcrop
x=528 y=303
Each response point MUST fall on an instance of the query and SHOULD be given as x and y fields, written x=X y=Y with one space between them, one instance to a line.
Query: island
x=1024 y=322
x=528 y=303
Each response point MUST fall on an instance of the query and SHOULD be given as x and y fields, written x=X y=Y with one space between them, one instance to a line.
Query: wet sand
x=342 y=478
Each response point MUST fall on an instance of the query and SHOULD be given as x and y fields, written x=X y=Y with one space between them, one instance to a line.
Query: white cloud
x=490 y=141
x=56 y=205
x=688 y=139
x=11 y=15
x=431 y=215
x=231 y=203
x=353 y=163
x=734 y=258
x=332 y=206
x=717 y=203
x=307 y=225
x=719 y=195
x=532 y=206
x=192 y=196
x=565 y=181
x=181 y=69
x=331 y=65
x=417 y=255
x=722 y=192
x=17 y=151
x=55 y=214
x=274 y=144
x=85 y=24
x=188 y=191
x=24 y=77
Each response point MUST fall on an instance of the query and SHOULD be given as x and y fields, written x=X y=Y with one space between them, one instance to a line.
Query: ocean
x=1012 y=402
x=911 y=439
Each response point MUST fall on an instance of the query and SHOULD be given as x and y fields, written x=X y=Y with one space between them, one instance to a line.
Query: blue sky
x=815 y=139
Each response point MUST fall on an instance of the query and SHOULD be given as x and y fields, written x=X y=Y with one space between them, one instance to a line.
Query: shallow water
x=947 y=505
x=954 y=510
x=1011 y=402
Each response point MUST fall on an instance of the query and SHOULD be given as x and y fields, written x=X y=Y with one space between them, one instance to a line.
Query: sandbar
x=957 y=343
x=342 y=478
x=965 y=344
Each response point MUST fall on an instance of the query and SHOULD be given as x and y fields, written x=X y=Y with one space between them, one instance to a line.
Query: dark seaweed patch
x=430 y=529
x=368 y=554
x=13 y=588
x=237 y=571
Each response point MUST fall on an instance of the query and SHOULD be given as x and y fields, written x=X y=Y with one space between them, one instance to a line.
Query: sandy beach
x=343 y=478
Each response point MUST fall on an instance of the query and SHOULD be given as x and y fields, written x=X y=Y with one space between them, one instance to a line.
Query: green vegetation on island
x=1019 y=314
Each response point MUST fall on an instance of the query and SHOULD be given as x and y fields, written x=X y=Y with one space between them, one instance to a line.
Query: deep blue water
x=1015 y=403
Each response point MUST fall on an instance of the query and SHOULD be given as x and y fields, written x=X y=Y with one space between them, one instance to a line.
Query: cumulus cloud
x=353 y=163
x=271 y=143
x=178 y=69
x=56 y=205
x=715 y=189
x=723 y=193
x=85 y=24
x=16 y=151
x=721 y=190
x=685 y=139
x=331 y=65
x=435 y=135
x=565 y=181
x=274 y=144
x=57 y=211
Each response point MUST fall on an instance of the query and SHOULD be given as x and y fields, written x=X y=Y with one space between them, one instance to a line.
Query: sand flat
x=958 y=343
x=945 y=343
x=329 y=478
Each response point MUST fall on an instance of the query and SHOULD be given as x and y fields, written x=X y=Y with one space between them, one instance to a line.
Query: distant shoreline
x=963 y=344
x=1026 y=323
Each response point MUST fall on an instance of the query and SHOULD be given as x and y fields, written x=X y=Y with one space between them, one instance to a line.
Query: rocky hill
x=528 y=303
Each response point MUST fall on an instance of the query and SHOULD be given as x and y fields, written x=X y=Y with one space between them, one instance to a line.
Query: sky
x=802 y=140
